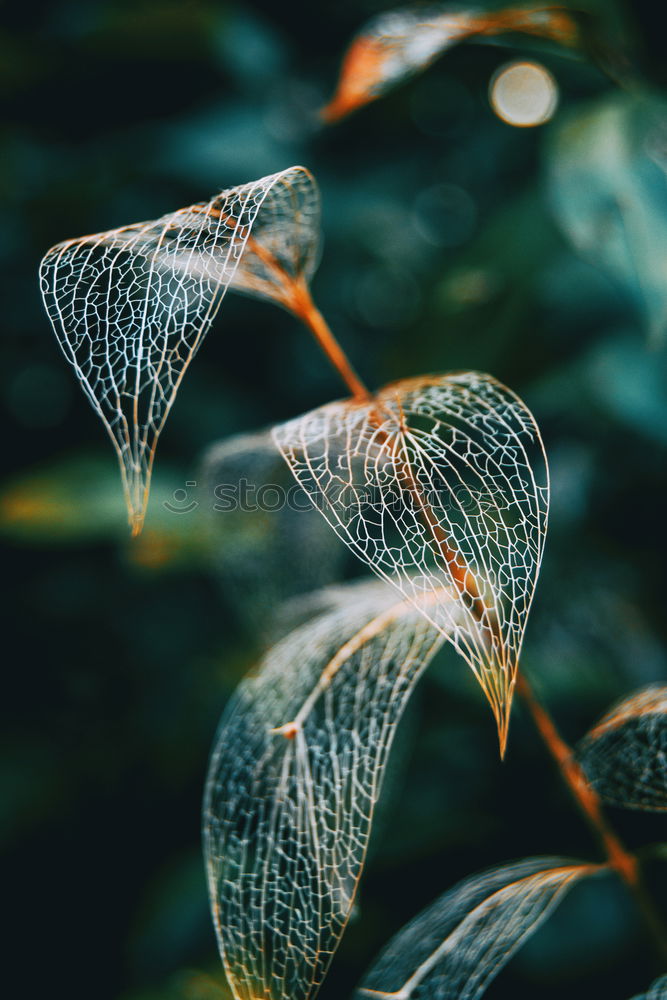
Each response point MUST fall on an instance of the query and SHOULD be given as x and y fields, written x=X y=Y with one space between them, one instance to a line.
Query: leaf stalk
x=303 y=306
x=621 y=859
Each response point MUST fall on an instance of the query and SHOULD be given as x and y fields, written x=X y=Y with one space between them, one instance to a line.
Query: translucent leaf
x=625 y=754
x=438 y=483
x=657 y=990
x=267 y=543
x=455 y=947
x=131 y=306
x=283 y=250
x=395 y=45
x=608 y=185
x=293 y=783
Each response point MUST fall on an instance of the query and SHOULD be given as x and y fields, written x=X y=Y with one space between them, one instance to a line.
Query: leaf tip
x=503 y=723
x=136 y=522
x=339 y=107
x=360 y=76
x=330 y=113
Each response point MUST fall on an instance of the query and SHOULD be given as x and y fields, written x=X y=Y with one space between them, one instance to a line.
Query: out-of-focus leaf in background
x=607 y=172
x=190 y=984
x=76 y=501
x=267 y=542
x=399 y=43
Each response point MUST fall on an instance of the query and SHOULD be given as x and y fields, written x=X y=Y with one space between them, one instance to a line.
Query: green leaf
x=75 y=500
x=607 y=170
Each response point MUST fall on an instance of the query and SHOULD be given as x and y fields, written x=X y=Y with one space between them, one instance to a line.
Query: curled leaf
x=293 y=782
x=439 y=484
x=283 y=250
x=456 y=947
x=625 y=754
x=131 y=306
x=397 y=44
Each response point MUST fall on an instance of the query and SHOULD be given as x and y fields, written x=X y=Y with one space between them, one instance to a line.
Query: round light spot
x=523 y=94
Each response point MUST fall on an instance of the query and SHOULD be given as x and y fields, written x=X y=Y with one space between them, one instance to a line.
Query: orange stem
x=295 y=295
x=303 y=306
x=620 y=858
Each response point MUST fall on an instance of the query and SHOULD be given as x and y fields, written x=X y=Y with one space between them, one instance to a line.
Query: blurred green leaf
x=607 y=171
x=268 y=543
x=75 y=500
x=173 y=916
x=190 y=984
x=71 y=499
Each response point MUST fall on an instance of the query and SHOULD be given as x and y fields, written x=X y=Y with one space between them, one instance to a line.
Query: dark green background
x=441 y=252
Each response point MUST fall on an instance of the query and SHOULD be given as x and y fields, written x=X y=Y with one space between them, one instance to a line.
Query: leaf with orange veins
x=438 y=483
x=283 y=250
x=397 y=44
x=131 y=306
x=458 y=945
x=294 y=780
x=624 y=756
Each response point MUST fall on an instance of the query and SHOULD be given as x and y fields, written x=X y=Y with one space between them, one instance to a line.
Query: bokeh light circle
x=523 y=94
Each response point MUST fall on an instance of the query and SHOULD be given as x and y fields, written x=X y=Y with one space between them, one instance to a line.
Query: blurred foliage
x=446 y=246
x=267 y=543
x=609 y=186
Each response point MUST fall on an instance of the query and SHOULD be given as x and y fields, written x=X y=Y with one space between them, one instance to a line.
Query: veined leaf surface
x=293 y=783
x=455 y=947
x=399 y=43
x=656 y=991
x=131 y=306
x=625 y=754
x=439 y=484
